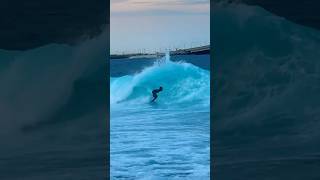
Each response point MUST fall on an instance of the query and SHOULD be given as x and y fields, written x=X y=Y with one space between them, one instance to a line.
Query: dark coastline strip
x=190 y=51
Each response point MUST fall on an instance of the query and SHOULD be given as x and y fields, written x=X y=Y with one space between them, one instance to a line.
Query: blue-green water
x=168 y=139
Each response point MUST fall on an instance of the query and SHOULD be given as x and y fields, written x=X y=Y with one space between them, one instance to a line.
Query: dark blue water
x=266 y=94
x=53 y=106
x=168 y=139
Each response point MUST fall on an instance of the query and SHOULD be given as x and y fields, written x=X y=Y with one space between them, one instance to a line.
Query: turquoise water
x=168 y=139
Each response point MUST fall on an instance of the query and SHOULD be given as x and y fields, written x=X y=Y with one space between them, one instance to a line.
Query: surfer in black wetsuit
x=155 y=92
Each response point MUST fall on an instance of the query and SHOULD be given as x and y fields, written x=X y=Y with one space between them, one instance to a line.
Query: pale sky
x=158 y=24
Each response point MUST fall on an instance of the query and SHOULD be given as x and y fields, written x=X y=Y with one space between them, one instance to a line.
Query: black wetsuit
x=154 y=94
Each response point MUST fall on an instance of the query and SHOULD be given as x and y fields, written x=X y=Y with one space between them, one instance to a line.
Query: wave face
x=168 y=139
x=53 y=106
x=266 y=93
x=183 y=82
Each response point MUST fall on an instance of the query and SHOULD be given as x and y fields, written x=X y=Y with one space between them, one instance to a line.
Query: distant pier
x=135 y=55
x=188 y=51
x=195 y=50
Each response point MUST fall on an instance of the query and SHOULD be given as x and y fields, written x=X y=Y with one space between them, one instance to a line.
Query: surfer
x=155 y=92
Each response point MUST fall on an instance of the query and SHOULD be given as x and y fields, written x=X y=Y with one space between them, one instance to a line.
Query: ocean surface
x=266 y=74
x=168 y=139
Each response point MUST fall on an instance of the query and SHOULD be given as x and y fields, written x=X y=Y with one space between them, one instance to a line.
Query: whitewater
x=168 y=139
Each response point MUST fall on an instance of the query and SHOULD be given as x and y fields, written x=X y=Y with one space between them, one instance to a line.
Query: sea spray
x=167 y=56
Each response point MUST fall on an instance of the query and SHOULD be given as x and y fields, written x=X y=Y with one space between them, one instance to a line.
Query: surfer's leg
x=154 y=97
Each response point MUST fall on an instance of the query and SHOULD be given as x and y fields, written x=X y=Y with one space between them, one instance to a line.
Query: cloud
x=159 y=7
